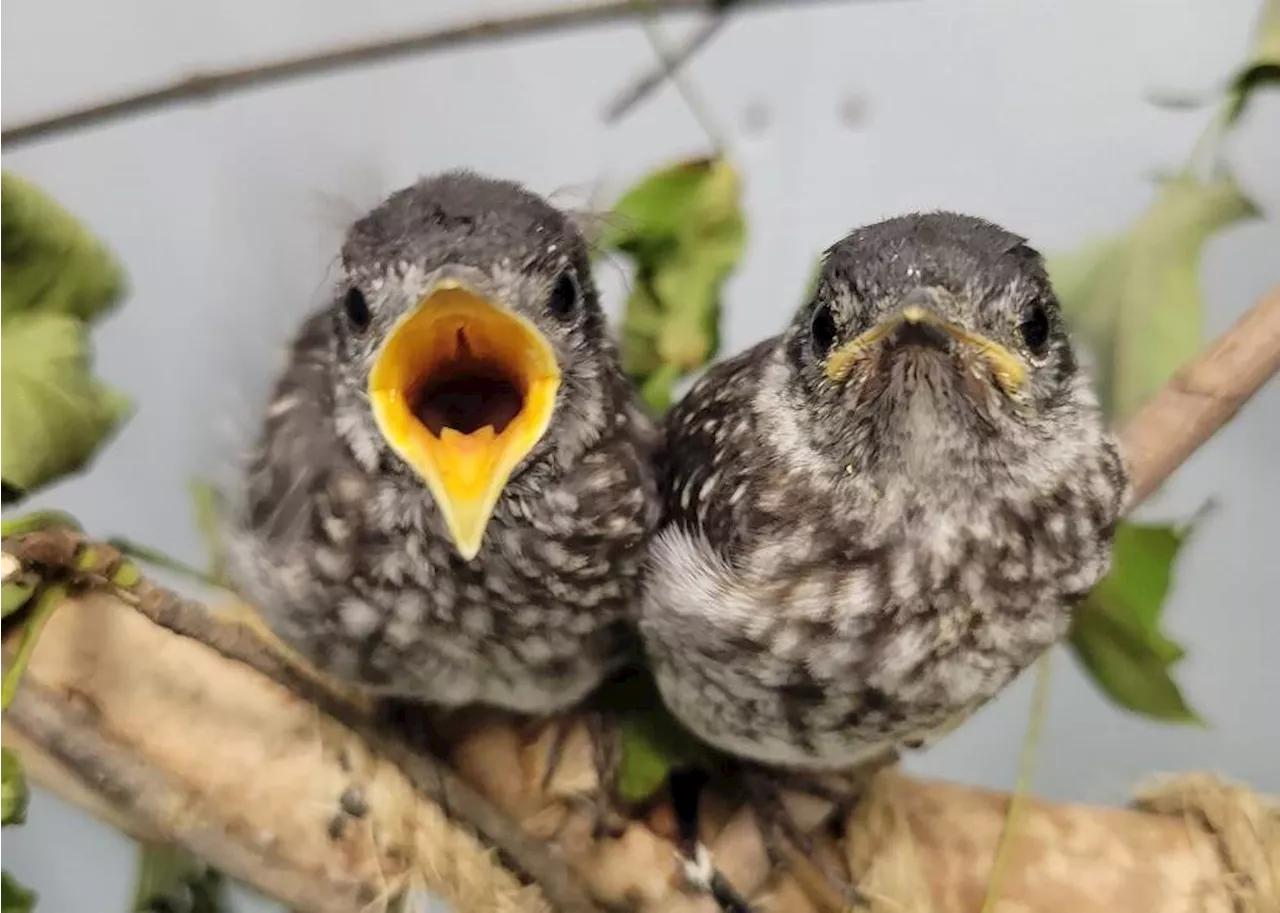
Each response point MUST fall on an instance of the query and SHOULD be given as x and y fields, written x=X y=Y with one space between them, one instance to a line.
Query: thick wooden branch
x=173 y=723
x=204 y=87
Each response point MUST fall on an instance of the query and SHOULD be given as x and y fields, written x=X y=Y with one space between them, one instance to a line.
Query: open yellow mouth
x=463 y=390
x=1006 y=368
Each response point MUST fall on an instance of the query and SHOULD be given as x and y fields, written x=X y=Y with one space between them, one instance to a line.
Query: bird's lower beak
x=463 y=389
x=922 y=325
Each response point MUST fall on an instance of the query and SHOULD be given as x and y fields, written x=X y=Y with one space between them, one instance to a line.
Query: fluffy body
x=341 y=545
x=848 y=567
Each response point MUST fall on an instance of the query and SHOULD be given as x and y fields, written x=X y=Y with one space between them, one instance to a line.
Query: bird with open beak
x=453 y=489
x=876 y=520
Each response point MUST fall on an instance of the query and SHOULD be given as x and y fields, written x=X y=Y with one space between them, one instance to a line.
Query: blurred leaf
x=207 y=504
x=1263 y=68
x=173 y=881
x=644 y=764
x=56 y=414
x=14 y=898
x=1135 y=298
x=48 y=600
x=653 y=741
x=684 y=228
x=15 y=595
x=14 y=794
x=1116 y=633
x=51 y=263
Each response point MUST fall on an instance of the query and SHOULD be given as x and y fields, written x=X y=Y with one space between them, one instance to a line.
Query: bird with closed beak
x=877 y=519
x=453 y=488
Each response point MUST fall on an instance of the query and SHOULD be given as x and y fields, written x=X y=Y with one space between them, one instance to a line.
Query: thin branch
x=689 y=94
x=674 y=60
x=429 y=776
x=208 y=86
x=1203 y=396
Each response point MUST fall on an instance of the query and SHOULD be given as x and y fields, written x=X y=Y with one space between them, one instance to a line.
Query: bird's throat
x=462 y=390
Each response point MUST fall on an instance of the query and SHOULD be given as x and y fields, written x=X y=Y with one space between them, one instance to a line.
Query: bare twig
x=208 y=86
x=670 y=63
x=638 y=91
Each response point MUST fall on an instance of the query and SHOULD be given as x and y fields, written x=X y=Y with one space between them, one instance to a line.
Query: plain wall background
x=1029 y=112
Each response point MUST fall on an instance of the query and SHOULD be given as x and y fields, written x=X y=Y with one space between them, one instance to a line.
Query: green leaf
x=644 y=764
x=56 y=414
x=14 y=898
x=1263 y=68
x=652 y=740
x=46 y=603
x=15 y=594
x=51 y=263
x=171 y=879
x=684 y=228
x=1135 y=299
x=1116 y=633
x=14 y=794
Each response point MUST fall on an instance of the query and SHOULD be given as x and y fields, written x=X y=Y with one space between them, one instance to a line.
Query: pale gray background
x=1030 y=113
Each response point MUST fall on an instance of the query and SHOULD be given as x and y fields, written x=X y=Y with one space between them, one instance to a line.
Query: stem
x=639 y=90
x=46 y=602
x=207 y=86
x=692 y=98
x=158 y=558
x=1018 y=799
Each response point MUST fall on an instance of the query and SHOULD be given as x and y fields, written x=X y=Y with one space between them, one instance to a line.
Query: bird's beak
x=922 y=324
x=463 y=389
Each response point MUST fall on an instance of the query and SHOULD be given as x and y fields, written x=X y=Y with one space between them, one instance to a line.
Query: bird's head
x=471 y=342
x=930 y=337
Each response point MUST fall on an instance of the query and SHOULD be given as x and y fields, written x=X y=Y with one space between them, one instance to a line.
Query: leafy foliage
x=56 y=414
x=171 y=880
x=14 y=898
x=1135 y=298
x=684 y=229
x=51 y=264
x=1116 y=632
x=56 y=278
x=14 y=794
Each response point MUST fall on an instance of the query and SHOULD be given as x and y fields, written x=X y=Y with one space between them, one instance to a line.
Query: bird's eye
x=1035 y=329
x=823 y=329
x=564 y=297
x=357 y=308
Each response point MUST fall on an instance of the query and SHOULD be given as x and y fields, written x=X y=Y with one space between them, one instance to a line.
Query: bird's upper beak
x=917 y=323
x=463 y=389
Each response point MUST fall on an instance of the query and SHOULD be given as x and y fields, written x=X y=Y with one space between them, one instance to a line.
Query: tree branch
x=173 y=722
x=208 y=86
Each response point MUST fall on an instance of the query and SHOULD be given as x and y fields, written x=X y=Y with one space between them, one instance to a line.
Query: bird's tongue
x=467 y=460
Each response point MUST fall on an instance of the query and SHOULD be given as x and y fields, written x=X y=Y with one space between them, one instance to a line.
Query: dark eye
x=823 y=329
x=1035 y=329
x=357 y=308
x=564 y=297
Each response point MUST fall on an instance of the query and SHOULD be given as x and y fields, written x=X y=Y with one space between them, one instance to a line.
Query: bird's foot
x=606 y=757
x=785 y=842
x=685 y=787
